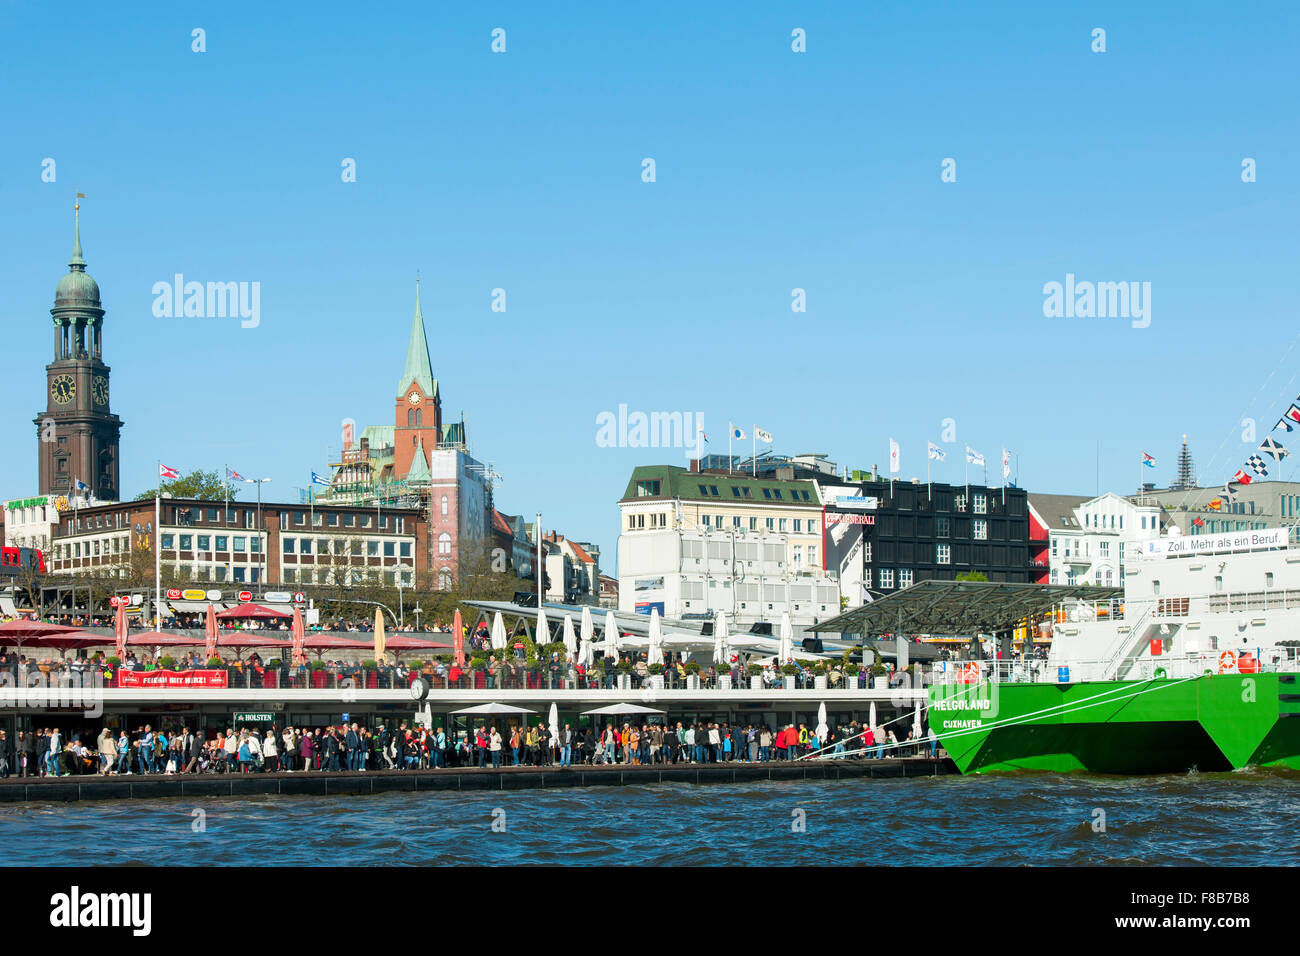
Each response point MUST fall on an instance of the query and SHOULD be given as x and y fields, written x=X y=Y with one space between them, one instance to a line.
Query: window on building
x=240 y=576
x=798 y=526
x=941 y=527
x=769 y=523
x=753 y=524
x=304 y=546
x=781 y=524
x=943 y=554
x=444 y=579
x=168 y=541
x=980 y=529
x=372 y=549
x=389 y=549
x=444 y=504
x=905 y=577
x=706 y=520
x=205 y=542
x=798 y=555
x=222 y=543
x=240 y=544
x=187 y=542
x=444 y=544
x=288 y=545
x=406 y=549
x=886 y=577
x=981 y=503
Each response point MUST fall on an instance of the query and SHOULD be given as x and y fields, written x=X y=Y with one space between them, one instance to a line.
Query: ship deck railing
x=1137 y=669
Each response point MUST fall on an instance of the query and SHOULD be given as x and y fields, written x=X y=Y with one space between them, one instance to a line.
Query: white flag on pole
x=935 y=452
x=974 y=457
x=1006 y=464
x=893 y=457
x=762 y=435
x=737 y=433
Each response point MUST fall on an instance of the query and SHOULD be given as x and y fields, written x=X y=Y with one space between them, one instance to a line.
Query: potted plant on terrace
x=755 y=676
x=789 y=670
x=656 y=672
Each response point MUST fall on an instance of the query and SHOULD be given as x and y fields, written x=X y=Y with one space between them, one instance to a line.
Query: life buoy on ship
x=970 y=674
x=1247 y=663
x=1160 y=673
x=1227 y=662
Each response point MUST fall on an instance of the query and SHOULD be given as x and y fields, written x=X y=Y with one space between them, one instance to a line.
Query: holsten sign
x=1183 y=545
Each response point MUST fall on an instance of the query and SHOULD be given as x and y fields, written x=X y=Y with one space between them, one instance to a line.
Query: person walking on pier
x=352 y=749
x=494 y=746
x=54 y=751
x=192 y=748
x=232 y=749
x=107 y=748
x=306 y=750
x=26 y=754
x=290 y=751
x=566 y=746
x=270 y=752
x=123 y=753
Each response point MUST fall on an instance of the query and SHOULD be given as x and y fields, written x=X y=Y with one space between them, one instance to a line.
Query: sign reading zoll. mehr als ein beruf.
x=1183 y=545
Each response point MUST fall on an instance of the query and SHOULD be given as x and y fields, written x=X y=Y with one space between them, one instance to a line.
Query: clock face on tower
x=414 y=398
x=63 y=389
x=99 y=389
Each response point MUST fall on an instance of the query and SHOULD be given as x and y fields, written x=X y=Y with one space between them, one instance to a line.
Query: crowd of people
x=47 y=752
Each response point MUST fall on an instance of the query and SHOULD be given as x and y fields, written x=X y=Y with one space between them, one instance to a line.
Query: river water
x=1233 y=819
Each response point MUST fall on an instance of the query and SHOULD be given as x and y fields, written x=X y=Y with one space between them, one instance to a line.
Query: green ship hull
x=1209 y=723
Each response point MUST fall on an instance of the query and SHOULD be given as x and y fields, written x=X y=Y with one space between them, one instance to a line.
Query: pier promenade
x=349 y=783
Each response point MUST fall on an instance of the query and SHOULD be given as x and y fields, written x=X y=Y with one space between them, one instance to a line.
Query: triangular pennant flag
x=1270 y=447
x=1290 y=418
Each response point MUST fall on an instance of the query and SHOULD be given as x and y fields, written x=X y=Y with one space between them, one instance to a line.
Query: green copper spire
x=419 y=466
x=418 y=368
x=78 y=264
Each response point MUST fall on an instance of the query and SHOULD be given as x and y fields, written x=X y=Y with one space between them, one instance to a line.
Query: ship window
x=1268 y=579
x=1218 y=583
x=1155 y=587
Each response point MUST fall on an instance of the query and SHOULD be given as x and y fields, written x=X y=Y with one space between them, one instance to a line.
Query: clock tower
x=77 y=434
x=418 y=416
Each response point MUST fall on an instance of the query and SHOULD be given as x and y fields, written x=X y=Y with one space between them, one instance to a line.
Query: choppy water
x=1235 y=819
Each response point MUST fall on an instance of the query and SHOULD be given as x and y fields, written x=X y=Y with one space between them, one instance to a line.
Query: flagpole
x=731 y=430
x=157 y=552
x=929 y=488
x=753 y=444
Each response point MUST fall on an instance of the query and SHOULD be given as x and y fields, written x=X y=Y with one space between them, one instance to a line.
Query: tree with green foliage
x=200 y=485
x=972 y=576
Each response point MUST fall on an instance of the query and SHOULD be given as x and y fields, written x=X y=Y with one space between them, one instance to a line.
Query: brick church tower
x=77 y=434
x=418 y=415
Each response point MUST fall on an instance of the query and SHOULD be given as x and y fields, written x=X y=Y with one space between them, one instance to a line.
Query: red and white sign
x=245 y=596
x=204 y=678
x=173 y=594
x=299 y=597
x=833 y=517
x=116 y=601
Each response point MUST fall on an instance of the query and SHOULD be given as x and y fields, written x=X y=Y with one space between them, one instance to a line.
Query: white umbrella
x=542 y=632
x=570 y=639
x=587 y=629
x=611 y=636
x=787 y=638
x=498 y=633
x=622 y=709
x=655 y=654
x=871 y=721
x=553 y=718
x=822 y=728
x=720 y=648
x=494 y=709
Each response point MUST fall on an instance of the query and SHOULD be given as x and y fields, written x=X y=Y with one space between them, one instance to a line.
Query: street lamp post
x=401 y=605
x=539 y=559
x=261 y=544
x=418 y=612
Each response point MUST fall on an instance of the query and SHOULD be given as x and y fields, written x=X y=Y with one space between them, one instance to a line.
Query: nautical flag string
x=1270 y=447
x=1257 y=465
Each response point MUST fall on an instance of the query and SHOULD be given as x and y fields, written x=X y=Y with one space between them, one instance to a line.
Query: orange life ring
x=970 y=674
x=1227 y=661
x=1247 y=664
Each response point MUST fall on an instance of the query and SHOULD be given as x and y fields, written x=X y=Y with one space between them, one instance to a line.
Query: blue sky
x=775 y=170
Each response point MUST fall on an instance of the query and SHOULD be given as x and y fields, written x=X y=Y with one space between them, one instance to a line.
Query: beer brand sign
x=204 y=678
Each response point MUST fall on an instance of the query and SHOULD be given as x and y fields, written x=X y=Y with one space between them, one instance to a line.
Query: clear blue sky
x=775 y=170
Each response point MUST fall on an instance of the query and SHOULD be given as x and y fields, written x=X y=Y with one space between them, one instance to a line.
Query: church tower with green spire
x=418 y=421
x=77 y=435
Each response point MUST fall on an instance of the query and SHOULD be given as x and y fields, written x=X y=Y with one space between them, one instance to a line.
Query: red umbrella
x=43 y=634
x=120 y=631
x=299 y=635
x=68 y=640
x=242 y=639
x=249 y=612
x=162 y=639
x=403 y=642
x=210 y=632
x=458 y=638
